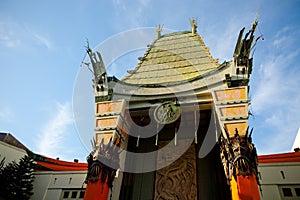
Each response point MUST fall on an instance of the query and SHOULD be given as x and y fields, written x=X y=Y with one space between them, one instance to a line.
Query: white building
x=10 y=148
x=54 y=179
x=279 y=176
x=53 y=185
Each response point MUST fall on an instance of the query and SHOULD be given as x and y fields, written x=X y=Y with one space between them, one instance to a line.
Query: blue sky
x=42 y=47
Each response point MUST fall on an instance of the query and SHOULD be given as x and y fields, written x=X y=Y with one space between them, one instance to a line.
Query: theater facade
x=176 y=126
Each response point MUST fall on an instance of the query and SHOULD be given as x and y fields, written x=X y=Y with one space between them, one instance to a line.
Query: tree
x=16 y=179
x=8 y=181
x=25 y=171
x=2 y=162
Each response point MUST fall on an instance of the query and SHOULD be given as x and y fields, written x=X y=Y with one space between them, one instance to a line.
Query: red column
x=97 y=190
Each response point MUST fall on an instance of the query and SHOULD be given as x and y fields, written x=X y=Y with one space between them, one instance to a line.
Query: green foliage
x=2 y=164
x=16 y=179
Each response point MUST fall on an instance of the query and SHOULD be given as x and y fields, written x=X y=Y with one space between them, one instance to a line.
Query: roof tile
x=174 y=57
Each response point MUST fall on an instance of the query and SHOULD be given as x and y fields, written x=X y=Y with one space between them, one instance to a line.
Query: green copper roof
x=172 y=58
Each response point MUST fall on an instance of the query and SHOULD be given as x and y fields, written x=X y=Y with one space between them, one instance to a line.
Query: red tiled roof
x=50 y=164
x=280 y=158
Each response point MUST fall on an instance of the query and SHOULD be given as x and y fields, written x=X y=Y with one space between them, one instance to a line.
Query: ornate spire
x=158 y=31
x=193 y=23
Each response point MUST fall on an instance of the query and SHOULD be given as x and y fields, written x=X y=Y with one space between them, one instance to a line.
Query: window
x=297 y=191
x=81 y=195
x=287 y=192
x=66 y=194
x=72 y=194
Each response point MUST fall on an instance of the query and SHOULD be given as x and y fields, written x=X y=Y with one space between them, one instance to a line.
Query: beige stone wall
x=276 y=176
x=11 y=153
x=52 y=185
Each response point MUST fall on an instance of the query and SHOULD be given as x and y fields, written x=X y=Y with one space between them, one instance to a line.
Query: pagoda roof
x=171 y=59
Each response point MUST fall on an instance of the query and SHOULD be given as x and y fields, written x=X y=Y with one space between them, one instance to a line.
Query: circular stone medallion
x=167 y=113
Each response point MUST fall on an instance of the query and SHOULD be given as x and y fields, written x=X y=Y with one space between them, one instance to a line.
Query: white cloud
x=222 y=46
x=276 y=97
x=279 y=129
x=116 y=2
x=8 y=41
x=8 y=37
x=52 y=141
x=286 y=37
x=13 y=34
x=134 y=12
x=278 y=78
x=276 y=83
x=43 y=40
x=39 y=38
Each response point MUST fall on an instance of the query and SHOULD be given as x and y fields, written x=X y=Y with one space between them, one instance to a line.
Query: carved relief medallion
x=167 y=113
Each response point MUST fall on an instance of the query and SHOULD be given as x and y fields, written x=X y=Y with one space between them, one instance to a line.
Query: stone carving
x=239 y=156
x=167 y=113
x=103 y=153
x=178 y=180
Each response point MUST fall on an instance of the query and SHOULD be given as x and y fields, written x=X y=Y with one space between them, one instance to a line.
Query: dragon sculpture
x=100 y=176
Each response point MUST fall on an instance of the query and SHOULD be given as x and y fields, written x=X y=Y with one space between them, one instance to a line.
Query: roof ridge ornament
x=245 y=45
x=99 y=71
x=158 y=31
x=193 y=23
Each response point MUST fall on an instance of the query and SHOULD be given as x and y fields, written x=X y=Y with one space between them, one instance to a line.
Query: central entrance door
x=177 y=181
